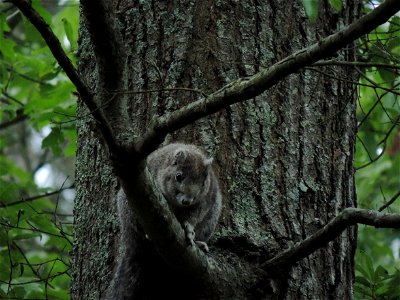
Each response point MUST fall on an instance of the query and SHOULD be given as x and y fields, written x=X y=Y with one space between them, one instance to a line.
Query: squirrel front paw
x=202 y=245
x=189 y=233
x=190 y=237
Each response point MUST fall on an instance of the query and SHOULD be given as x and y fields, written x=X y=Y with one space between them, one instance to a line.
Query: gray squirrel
x=184 y=175
x=186 y=179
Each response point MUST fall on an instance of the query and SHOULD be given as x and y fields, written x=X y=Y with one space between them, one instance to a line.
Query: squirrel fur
x=184 y=175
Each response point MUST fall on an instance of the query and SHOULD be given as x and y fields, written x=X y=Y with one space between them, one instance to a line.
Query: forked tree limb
x=246 y=88
x=348 y=217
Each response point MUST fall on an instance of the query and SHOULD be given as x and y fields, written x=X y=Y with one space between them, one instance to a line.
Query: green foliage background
x=377 y=161
x=36 y=220
x=38 y=105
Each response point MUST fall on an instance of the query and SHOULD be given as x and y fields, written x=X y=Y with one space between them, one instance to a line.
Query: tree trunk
x=284 y=159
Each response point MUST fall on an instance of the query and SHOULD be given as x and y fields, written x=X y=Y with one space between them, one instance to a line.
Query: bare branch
x=37 y=274
x=348 y=217
x=35 y=229
x=246 y=88
x=355 y=64
x=12 y=70
x=13 y=99
x=17 y=119
x=390 y=202
x=33 y=198
x=380 y=97
x=383 y=141
x=372 y=86
x=56 y=49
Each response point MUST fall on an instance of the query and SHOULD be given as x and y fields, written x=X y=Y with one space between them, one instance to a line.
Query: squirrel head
x=189 y=178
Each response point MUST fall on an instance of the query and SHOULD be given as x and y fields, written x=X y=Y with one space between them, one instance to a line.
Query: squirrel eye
x=179 y=176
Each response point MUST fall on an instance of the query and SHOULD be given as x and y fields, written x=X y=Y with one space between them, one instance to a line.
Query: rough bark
x=284 y=159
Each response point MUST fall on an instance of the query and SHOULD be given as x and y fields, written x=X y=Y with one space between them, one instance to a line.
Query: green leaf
x=7 y=48
x=369 y=267
x=53 y=73
x=3 y=294
x=3 y=236
x=68 y=32
x=18 y=292
x=363 y=291
x=35 y=293
x=70 y=149
x=387 y=75
x=360 y=269
x=36 y=4
x=6 y=44
x=25 y=236
x=336 y=4
x=54 y=141
x=363 y=281
x=311 y=8
x=381 y=272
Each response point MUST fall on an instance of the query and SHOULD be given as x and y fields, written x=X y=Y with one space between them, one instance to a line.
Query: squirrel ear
x=179 y=157
x=208 y=161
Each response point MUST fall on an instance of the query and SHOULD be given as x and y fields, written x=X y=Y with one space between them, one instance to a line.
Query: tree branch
x=19 y=118
x=33 y=198
x=348 y=217
x=355 y=64
x=56 y=49
x=383 y=141
x=372 y=85
x=390 y=202
x=105 y=45
x=246 y=88
x=151 y=209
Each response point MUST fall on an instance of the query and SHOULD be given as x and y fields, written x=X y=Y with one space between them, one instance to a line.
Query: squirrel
x=184 y=175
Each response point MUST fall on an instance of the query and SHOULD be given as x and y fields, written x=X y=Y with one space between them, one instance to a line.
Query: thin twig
x=33 y=198
x=354 y=64
x=390 y=202
x=383 y=141
x=374 y=105
x=19 y=118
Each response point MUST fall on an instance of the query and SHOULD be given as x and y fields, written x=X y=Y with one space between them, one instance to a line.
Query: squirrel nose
x=187 y=201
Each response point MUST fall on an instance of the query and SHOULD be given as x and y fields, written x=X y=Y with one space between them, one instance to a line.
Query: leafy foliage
x=378 y=160
x=375 y=283
x=37 y=127
x=311 y=7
